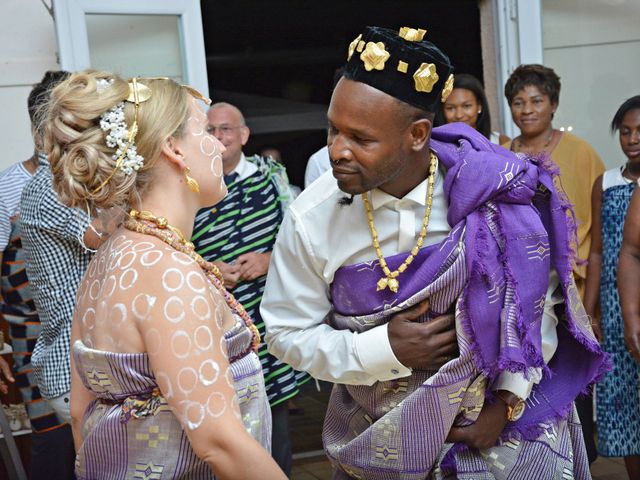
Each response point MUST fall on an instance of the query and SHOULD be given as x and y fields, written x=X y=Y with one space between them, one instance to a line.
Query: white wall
x=27 y=50
x=594 y=45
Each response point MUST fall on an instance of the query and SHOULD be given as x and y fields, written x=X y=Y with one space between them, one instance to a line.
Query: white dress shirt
x=244 y=168
x=318 y=164
x=317 y=237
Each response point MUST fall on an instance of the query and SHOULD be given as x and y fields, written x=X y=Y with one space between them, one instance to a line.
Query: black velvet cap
x=402 y=65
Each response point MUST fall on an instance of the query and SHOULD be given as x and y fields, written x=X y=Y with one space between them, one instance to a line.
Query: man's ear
x=244 y=134
x=173 y=153
x=420 y=132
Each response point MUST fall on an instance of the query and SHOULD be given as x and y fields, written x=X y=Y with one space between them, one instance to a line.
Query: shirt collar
x=243 y=168
x=418 y=195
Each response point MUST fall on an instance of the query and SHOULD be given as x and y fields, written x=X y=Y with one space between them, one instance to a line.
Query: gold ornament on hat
x=448 y=88
x=425 y=77
x=352 y=46
x=412 y=34
x=374 y=56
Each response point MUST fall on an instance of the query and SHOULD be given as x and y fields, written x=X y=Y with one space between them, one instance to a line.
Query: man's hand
x=253 y=265
x=484 y=433
x=426 y=345
x=6 y=371
x=230 y=273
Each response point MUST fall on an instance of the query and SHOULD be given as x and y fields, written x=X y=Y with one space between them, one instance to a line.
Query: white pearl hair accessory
x=103 y=84
x=118 y=136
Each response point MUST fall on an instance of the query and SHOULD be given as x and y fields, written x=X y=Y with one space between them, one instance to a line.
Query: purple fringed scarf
x=515 y=222
x=514 y=226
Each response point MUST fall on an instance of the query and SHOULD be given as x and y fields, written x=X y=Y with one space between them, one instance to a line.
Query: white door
x=133 y=38
x=519 y=40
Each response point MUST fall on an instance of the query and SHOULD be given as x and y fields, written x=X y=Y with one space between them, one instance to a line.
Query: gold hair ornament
x=113 y=122
x=412 y=34
x=425 y=77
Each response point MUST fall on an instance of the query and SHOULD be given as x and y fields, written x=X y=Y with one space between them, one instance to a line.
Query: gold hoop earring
x=191 y=182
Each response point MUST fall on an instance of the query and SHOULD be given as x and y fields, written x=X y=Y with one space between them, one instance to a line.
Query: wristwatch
x=515 y=406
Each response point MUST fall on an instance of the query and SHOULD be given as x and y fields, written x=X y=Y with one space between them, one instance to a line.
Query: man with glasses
x=238 y=235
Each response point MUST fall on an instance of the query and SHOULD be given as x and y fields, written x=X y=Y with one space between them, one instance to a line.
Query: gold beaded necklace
x=390 y=280
x=139 y=222
x=163 y=224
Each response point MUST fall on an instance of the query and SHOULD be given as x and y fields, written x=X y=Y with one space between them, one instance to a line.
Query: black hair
x=544 y=78
x=471 y=83
x=629 y=104
x=40 y=94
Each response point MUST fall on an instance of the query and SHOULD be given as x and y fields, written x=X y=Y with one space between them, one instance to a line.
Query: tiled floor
x=608 y=469
x=315 y=468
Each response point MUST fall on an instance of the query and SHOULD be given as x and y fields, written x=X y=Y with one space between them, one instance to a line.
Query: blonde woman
x=165 y=379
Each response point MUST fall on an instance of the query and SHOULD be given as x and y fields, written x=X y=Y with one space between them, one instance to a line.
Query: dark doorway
x=289 y=49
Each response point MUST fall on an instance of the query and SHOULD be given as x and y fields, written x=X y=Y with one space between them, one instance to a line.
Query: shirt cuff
x=376 y=356
x=515 y=382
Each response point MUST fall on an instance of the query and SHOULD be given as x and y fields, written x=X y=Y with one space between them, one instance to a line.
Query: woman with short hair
x=533 y=93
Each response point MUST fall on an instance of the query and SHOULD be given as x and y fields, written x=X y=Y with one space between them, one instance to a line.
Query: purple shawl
x=515 y=225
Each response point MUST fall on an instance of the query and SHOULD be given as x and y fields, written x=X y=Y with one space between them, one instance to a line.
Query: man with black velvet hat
x=419 y=242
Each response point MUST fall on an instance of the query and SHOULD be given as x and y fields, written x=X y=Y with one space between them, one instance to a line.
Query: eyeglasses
x=223 y=129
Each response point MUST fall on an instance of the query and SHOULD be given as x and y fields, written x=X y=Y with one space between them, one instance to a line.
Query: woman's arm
x=183 y=336
x=592 y=291
x=80 y=396
x=629 y=276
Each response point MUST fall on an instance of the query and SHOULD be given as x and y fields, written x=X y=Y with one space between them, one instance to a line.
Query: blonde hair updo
x=80 y=159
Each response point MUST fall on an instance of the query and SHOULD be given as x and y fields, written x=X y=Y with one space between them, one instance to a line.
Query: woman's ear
x=173 y=153
x=420 y=133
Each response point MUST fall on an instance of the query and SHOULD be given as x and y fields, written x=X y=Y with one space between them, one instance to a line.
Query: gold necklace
x=139 y=222
x=163 y=224
x=390 y=280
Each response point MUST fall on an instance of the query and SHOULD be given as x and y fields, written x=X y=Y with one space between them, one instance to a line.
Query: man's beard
x=346 y=200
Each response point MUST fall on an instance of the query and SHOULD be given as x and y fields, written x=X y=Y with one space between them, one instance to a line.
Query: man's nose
x=339 y=149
